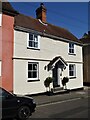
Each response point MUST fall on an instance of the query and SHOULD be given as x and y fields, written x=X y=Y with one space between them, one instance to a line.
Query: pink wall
x=0 y=51
x=7 y=51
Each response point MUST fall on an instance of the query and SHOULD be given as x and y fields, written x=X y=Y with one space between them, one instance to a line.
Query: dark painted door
x=55 y=81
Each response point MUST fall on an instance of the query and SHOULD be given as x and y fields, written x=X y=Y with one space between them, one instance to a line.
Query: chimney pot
x=41 y=4
x=41 y=13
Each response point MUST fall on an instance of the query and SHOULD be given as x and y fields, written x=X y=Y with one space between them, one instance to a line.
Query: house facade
x=42 y=50
x=86 y=59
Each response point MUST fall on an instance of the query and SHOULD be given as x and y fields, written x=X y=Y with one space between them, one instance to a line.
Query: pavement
x=45 y=99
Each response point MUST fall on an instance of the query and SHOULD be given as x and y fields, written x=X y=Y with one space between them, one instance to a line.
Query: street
x=74 y=108
x=68 y=105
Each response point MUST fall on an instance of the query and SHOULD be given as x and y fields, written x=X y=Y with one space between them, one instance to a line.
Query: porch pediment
x=56 y=60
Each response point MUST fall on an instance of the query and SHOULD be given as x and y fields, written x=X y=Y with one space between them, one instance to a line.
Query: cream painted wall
x=49 y=49
x=75 y=82
x=21 y=84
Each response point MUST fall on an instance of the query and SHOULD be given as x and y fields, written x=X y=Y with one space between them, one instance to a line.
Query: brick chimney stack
x=41 y=13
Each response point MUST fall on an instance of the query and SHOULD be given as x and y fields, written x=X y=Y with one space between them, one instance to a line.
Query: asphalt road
x=75 y=108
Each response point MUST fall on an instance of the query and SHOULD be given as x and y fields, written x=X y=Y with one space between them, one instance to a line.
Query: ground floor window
x=33 y=69
x=72 y=70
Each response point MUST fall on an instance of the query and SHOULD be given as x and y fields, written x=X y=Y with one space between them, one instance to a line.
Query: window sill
x=72 y=77
x=33 y=80
x=72 y=54
x=33 y=48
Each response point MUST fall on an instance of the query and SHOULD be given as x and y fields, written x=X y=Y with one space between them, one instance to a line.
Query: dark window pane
x=72 y=45
x=29 y=74
x=35 y=44
x=35 y=38
x=69 y=45
x=72 y=50
x=34 y=66
x=30 y=37
x=70 y=67
x=29 y=66
x=71 y=73
x=34 y=74
x=30 y=44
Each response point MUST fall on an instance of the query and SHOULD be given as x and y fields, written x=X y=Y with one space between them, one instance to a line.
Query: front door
x=55 y=78
x=57 y=75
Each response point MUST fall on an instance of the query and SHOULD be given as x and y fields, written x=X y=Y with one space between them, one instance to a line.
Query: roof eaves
x=61 y=39
x=9 y=12
x=7 y=8
x=45 y=34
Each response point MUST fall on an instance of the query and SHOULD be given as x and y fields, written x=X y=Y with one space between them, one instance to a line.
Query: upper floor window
x=33 y=41
x=71 y=48
x=72 y=70
x=0 y=19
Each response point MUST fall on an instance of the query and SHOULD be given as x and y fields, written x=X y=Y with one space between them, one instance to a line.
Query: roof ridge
x=51 y=29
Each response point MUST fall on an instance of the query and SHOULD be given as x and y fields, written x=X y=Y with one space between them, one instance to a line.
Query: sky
x=72 y=16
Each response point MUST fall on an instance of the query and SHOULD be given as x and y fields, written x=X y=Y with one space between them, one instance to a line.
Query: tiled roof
x=34 y=24
x=8 y=9
x=85 y=40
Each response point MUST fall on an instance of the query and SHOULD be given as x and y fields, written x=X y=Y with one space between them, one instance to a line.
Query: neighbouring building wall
x=86 y=60
x=49 y=49
x=0 y=68
x=7 y=51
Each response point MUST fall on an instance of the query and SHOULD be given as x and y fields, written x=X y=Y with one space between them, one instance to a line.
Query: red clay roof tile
x=34 y=24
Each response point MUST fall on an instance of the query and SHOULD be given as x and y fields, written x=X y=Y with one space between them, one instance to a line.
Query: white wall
x=21 y=84
x=49 y=49
x=75 y=82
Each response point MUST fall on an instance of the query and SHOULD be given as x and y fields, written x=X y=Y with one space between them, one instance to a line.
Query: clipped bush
x=65 y=80
x=47 y=82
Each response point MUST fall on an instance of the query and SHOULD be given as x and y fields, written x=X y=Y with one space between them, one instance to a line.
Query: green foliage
x=47 y=81
x=65 y=80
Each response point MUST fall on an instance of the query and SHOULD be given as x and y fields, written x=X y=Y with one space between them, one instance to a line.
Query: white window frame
x=33 y=40
x=0 y=19
x=33 y=79
x=72 y=48
x=74 y=70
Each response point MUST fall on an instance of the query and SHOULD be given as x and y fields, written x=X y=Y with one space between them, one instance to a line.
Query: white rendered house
x=43 y=50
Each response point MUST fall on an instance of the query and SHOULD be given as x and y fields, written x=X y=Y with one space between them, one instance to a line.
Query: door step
x=57 y=90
